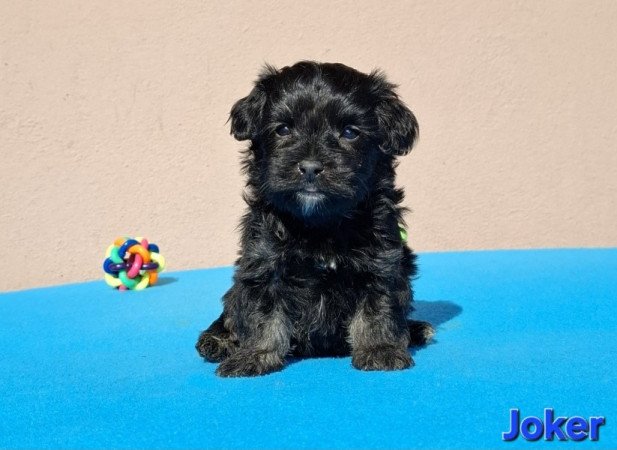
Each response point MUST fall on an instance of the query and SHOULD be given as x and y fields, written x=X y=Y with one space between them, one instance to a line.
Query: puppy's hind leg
x=420 y=333
x=216 y=343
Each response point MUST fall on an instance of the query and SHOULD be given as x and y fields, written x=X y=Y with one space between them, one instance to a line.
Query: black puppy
x=322 y=269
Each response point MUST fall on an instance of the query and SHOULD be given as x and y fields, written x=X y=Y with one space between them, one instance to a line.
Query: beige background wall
x=112 y=121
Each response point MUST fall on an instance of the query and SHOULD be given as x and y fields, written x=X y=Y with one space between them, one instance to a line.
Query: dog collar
x=331 y=266
x=403 y=232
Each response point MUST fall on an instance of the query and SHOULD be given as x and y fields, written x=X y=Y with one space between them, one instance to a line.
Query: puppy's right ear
x=246 y=114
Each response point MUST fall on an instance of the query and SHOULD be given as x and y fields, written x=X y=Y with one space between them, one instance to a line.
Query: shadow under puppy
x=322 y=268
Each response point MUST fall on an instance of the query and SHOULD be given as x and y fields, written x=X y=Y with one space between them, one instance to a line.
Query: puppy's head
x=318 y=133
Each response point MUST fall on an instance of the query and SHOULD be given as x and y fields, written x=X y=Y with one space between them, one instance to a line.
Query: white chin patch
x=309 y=202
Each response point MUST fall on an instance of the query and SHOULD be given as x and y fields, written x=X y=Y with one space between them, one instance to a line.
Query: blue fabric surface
x=86 y=366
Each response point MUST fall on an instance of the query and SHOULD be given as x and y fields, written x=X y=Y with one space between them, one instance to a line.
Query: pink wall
x=112 y=121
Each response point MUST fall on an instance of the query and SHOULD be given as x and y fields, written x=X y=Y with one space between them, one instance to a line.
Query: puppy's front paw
x=385 y=357
x=246 y=363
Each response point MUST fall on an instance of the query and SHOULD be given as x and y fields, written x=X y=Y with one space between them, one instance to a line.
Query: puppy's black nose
x=310 y=169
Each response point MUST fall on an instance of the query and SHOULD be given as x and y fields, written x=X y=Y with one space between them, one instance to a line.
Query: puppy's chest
x=319 y=253
x=327 y=281
x=321 y=264
x=314 y=268
x=324 y=259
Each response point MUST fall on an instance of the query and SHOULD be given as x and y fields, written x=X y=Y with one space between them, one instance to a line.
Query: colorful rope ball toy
x=132 y=263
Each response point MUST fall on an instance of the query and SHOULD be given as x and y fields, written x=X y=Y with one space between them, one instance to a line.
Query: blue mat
x=86 y=366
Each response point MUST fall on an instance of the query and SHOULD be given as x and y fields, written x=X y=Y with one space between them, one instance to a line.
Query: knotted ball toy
x=132 y=264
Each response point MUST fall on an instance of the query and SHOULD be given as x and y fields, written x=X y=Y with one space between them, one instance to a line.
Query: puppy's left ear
x=398 y=126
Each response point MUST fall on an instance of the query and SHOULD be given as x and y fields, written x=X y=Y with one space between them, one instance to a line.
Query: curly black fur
x=322 y=268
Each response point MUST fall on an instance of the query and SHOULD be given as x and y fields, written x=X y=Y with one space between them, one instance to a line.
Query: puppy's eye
x=283 y=130
x=350 y=133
